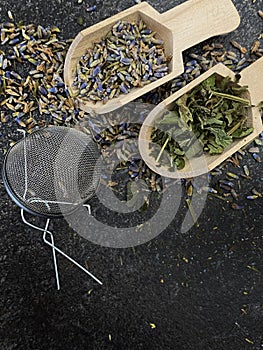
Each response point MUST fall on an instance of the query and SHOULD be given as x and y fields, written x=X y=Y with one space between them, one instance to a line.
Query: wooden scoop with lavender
x=125 y=56
x=201 y=125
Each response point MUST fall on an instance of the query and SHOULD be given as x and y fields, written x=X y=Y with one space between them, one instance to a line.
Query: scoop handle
x=197 y=20
x=252 y=76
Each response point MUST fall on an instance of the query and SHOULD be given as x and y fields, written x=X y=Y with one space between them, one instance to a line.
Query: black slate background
x=199 y=304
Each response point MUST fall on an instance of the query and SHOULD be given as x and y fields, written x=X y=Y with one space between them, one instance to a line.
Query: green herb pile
x=208 y=119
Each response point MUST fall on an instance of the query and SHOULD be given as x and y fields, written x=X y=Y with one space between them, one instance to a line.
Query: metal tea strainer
x=51 y=173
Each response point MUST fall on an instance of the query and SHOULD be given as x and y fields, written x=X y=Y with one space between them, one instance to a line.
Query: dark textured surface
x=199 y=304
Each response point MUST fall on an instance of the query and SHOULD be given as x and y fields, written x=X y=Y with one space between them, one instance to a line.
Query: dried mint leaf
x=209 y=83
x=221 y=137
x=184 y=111
x=242 y=133
x=169 y=118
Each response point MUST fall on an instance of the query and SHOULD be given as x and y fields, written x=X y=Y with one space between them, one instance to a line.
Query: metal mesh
x=52 y=170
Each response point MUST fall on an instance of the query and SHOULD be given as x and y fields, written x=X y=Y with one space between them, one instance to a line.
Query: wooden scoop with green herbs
x=201 y=125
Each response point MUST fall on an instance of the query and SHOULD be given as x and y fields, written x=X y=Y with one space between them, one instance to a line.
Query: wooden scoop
x=250 y=76
x=181 y=27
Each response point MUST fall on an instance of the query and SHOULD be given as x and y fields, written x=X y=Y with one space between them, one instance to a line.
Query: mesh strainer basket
x=50 y=173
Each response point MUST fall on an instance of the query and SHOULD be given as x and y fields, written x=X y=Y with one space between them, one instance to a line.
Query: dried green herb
x=208 y=118
x=80 y=20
